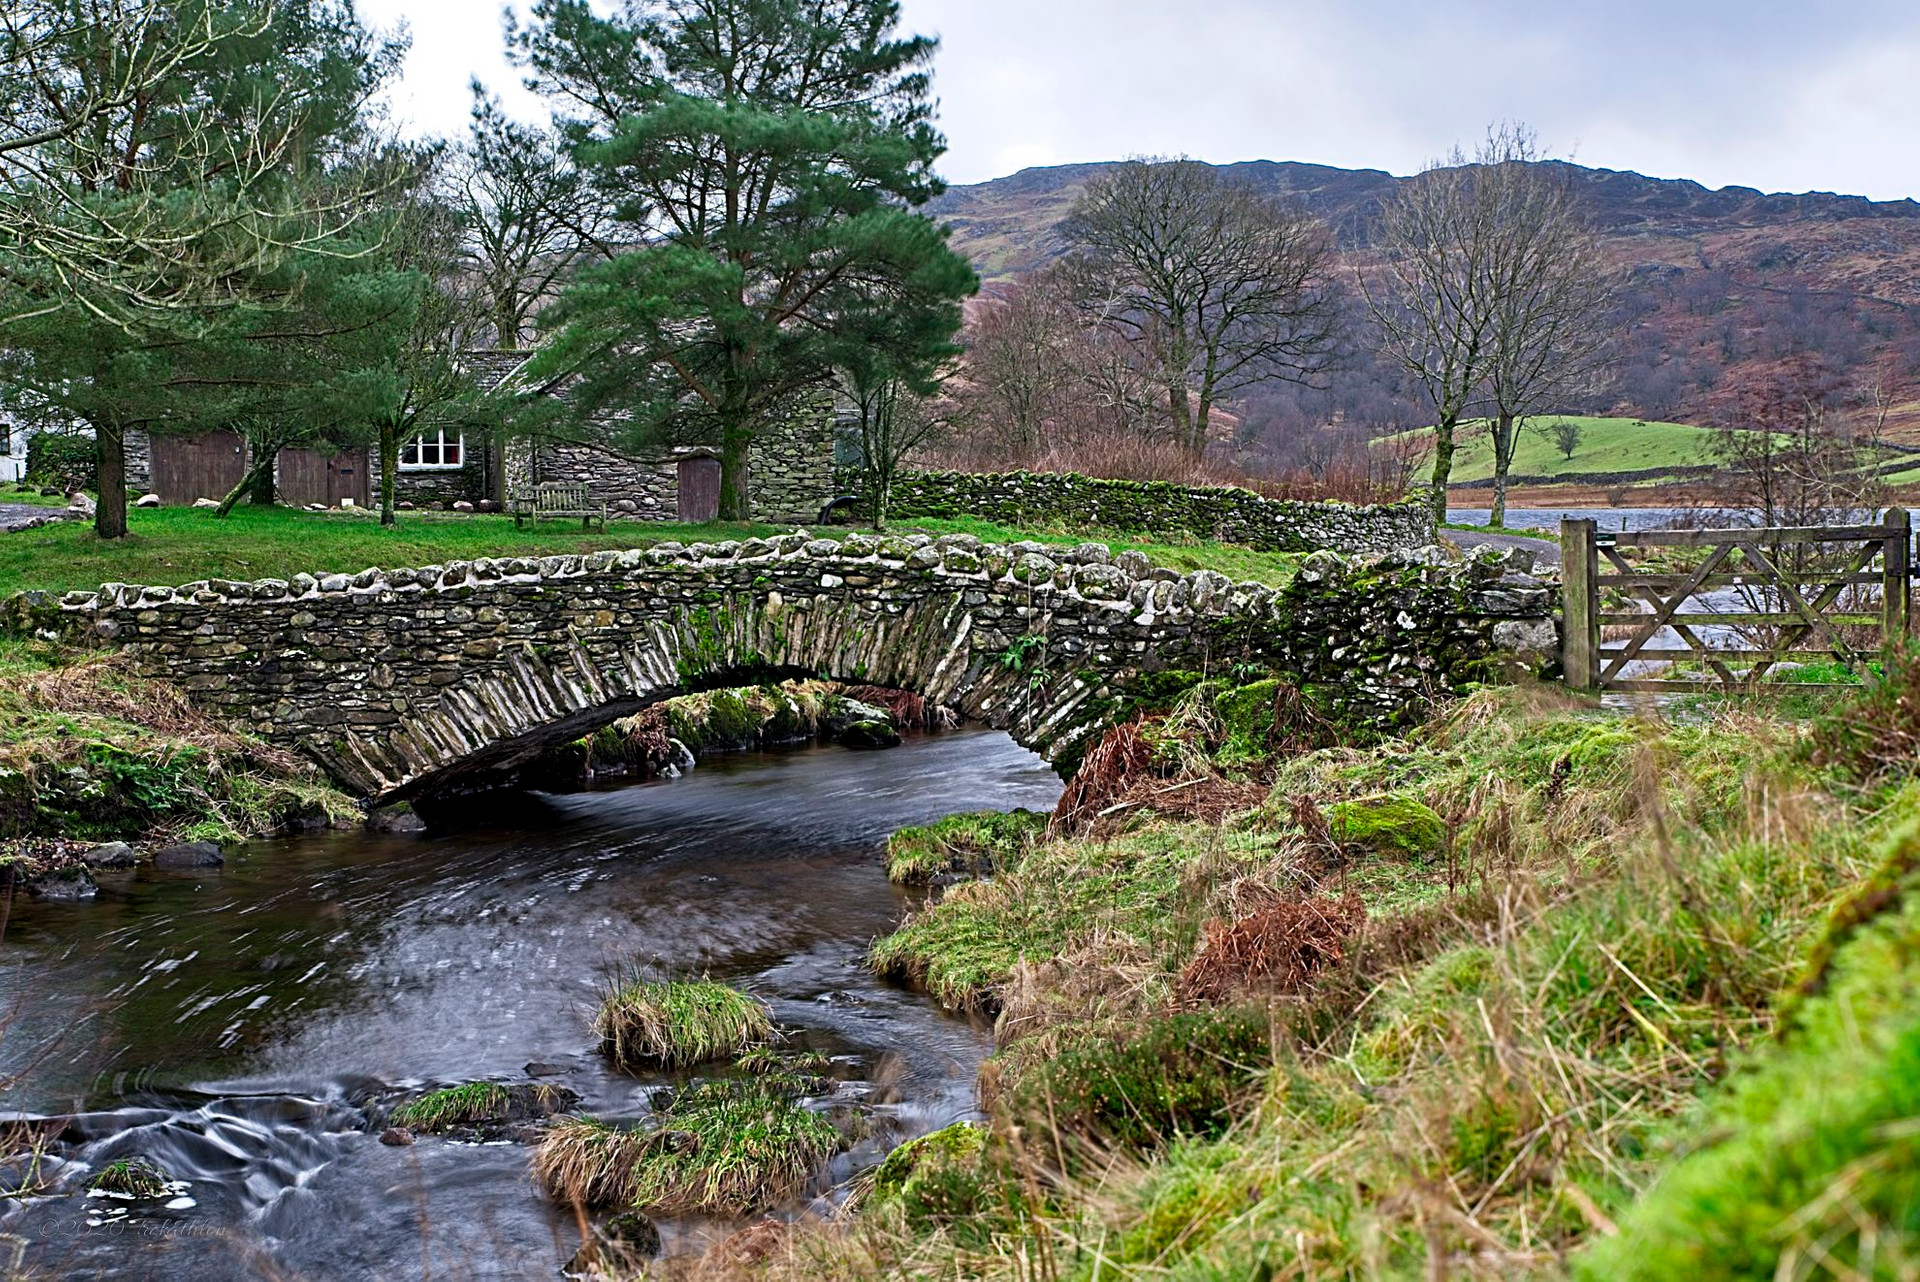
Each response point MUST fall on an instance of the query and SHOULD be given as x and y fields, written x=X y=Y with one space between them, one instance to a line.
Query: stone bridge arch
x=406 y=682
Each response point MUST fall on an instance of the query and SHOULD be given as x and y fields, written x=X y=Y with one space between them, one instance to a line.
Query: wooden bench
x=558 y=500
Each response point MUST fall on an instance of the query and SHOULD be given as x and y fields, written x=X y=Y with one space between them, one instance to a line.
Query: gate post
x=1580 y=616
x=1896 y=577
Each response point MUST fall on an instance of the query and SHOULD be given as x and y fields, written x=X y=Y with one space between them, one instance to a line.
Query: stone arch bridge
x=403 y=683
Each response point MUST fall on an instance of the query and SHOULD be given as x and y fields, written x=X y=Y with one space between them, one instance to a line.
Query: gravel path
x=22 y=516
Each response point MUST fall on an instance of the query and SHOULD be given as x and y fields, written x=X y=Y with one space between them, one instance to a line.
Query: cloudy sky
x=1783 y=95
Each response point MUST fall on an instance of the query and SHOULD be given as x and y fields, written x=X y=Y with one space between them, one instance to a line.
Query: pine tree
x=765 y=154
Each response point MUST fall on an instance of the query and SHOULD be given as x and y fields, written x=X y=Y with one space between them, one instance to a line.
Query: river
x=233 y=1026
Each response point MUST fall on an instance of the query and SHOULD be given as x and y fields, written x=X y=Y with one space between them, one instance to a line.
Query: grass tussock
x=970 y=844
x=478 y=1104
x=720 y=1147
x=677 y=1023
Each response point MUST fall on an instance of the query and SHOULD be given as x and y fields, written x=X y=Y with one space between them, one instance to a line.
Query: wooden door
x=196 y=467
x=349 y=477
x=699 y=490
x=308 y=476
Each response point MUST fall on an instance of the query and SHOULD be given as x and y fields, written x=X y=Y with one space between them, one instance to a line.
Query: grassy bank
x=90 y=752
x=1647 y=1010
x=180 y=545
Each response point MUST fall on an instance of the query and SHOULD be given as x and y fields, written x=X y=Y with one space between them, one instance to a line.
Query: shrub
x=673 y=1024
x=1182 y=1075
x=69 y=462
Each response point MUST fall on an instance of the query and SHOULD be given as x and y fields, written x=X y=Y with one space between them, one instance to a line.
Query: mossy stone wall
x=1224 y=514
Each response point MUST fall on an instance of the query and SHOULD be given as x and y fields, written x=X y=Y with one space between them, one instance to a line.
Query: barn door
x=348 y=477
x=198 y=467
x=699 y=490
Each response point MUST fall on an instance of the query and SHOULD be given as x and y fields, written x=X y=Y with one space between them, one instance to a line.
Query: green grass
x=676 y=1023
x=476 y=1103
x=30 y=496
x=975 y=843
x=131 y=1177
x=1606 y=445
x=180 y=545
x=722 y=1147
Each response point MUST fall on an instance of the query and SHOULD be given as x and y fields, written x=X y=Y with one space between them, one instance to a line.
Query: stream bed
x=235 y=1026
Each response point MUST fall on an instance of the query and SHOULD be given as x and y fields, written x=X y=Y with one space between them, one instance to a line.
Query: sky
x=1782 y=95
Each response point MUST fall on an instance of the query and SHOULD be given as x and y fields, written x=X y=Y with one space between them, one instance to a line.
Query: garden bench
x=558 y=500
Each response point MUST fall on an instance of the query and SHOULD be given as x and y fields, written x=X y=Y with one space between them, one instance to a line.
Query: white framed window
x=433 y=451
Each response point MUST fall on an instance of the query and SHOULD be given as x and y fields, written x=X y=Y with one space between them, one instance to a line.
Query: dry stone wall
x=1221 y=513
x=408 y=682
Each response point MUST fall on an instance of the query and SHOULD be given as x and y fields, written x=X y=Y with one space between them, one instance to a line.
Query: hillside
x=1725 y=284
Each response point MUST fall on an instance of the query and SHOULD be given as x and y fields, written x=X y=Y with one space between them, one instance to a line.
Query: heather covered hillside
x=1725 y=285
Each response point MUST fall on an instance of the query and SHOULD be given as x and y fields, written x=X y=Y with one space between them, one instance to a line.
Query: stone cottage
x=791 y=467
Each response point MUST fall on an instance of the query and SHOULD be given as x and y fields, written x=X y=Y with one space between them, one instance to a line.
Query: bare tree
x=1019 y=358
x=1428 y=300
x=1215 y=285
x=528 y=214
x=1548 y=287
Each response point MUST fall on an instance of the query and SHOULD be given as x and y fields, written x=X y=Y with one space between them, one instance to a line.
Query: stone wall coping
x=1089 y=572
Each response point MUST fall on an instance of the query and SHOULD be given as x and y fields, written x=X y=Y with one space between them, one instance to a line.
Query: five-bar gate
x=1752 y=600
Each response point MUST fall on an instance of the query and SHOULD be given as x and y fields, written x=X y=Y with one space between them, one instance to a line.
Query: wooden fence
x=1830 y=593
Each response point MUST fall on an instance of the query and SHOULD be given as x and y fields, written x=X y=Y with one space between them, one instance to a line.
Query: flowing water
x=234 y=1025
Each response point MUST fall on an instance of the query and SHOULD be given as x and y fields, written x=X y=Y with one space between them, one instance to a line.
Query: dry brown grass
x=1279 y=948
x=1122 y=759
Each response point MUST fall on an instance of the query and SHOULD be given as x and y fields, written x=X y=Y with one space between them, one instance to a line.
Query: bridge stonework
x=404 y=683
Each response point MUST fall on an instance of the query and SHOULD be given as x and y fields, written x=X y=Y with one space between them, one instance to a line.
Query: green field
x=1606 y=445
x=180 y=545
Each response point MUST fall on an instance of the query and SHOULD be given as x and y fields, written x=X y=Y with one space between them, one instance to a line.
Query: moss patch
x=1391 y=825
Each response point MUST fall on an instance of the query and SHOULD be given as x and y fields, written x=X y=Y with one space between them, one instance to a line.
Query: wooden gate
x=196 y=467
x=308 y=476
x=1824 y=592
x=699 y=490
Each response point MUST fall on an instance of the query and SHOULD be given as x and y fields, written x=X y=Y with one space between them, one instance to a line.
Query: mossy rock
x=938 y=1179
x=1390 y=824
x=961 y=1142
x=1246 y=718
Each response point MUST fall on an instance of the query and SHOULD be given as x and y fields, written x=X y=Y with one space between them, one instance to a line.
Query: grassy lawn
x=1606 y=445
x=180 y=545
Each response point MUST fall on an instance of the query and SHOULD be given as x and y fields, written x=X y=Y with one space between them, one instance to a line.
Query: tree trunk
x=110 y=457
x=1442 y=466
x=1503 y=443
x=259 y=470
x=1180 y=409
x=735 y=502
x=389 y=468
